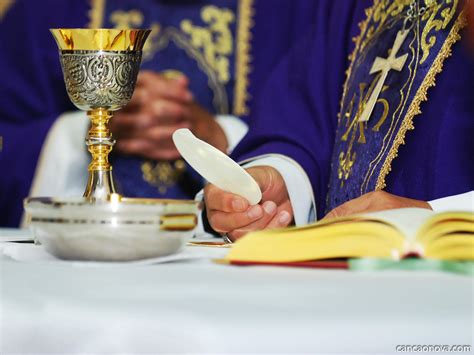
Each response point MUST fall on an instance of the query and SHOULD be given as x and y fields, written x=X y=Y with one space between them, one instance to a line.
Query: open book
x=393 y=234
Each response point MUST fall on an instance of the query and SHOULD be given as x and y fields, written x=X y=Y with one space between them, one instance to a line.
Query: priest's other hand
x=159 y=106
x=375 y=201
x=470 y=19
x=232 y=215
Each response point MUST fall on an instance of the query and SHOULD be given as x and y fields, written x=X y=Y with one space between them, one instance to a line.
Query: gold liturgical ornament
x=100 y=68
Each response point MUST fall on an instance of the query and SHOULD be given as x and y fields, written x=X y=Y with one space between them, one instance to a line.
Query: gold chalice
x=100 y=68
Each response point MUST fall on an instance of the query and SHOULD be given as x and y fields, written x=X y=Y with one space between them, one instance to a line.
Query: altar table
x=198 y=306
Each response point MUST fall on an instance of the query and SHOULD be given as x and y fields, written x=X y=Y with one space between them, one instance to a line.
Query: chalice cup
x=100 y=68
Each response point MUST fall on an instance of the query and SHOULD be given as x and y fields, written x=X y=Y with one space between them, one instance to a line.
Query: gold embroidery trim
x=162 y=174
x=243 y=57
x=357 y=41
x=96 y=14
x=5 y=6
x=427 y=41
x=215 y=38
x=420 y=96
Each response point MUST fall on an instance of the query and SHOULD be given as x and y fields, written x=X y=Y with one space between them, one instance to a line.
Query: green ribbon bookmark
x=459 y=267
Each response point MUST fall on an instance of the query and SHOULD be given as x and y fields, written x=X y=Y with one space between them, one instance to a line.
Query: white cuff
x=234 y=129
x=297 y=183
x=461 y=202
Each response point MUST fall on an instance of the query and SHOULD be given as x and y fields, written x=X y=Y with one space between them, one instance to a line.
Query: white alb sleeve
x=63 y=161
x=461 y=202
x=234 y=129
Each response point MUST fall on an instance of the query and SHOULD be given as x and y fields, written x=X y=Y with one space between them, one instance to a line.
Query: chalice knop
x=100 y=68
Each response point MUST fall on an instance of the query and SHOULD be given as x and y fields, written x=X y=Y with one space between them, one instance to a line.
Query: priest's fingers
x=357 y=205
x=255 y=218
x=166 y=111
x=158 y=114
x=151 y=86
x=266 y=177
x=147 y=149
x=206 y=128
x=161 y=134
x=283 y=217
x=140 y=97
x=271 y=183
x=164 y=154
x=269 y=212
x=160 y=86
x=239 y=233
x=125 y=124
x=470 y=20
x=375 y=201
x=220 y=200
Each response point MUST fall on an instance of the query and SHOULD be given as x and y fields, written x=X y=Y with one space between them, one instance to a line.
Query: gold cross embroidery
x=384 y=65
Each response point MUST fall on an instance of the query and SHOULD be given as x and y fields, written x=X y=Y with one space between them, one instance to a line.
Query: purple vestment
x=298 y=111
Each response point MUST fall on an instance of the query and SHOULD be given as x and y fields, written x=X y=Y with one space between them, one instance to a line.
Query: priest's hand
x=470 y=18
x=375 y=201
x=232 y=215
x=160 y=106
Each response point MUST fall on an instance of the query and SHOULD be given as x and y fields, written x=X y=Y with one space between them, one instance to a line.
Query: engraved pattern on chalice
x=106 y=80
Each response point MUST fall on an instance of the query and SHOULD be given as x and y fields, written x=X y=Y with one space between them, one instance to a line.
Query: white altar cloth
x=197 y=306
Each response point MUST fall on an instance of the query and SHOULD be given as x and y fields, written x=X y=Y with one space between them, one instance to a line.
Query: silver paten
x=119 y=230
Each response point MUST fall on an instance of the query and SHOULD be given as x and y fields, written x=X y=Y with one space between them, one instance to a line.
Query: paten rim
x=127 y=201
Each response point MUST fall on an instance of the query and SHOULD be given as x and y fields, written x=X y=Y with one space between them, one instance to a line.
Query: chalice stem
x=99 y=142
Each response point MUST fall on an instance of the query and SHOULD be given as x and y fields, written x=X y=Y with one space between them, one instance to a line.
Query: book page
x=385 y=234
x=407 y=220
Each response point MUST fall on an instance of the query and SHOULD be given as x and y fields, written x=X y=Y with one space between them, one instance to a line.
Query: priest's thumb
x=271 y=183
